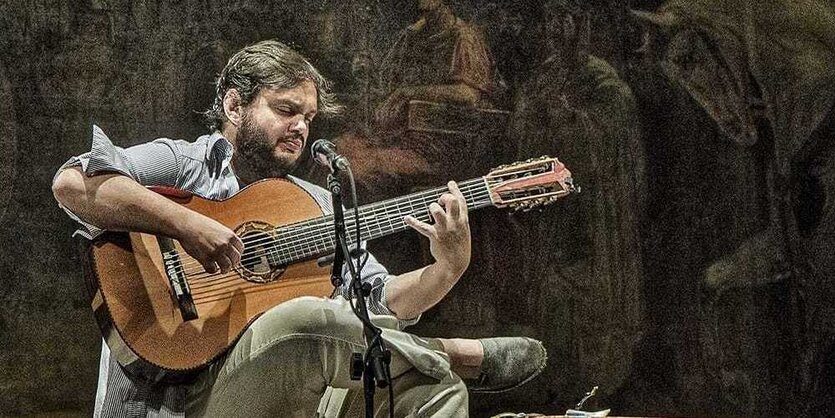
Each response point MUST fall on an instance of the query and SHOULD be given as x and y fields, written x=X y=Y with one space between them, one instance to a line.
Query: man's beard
x=255 y=157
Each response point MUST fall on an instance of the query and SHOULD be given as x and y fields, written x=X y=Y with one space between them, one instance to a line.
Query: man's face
x=273 y=131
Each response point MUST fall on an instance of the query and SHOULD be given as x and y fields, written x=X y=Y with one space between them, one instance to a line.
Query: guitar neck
x=315 y=237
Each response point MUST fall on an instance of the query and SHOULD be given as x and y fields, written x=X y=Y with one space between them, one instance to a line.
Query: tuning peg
x=574 y=188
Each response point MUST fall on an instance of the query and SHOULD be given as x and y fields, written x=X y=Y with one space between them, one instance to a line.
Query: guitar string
x=317 y=241
x=217 y=292
x=227 y=289
x=299 y=236
x=204 y=278
x=322 y=240
x=324 y=236
x=211 y=284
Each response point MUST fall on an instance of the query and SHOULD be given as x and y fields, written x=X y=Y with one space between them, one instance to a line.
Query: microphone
x=324 y=152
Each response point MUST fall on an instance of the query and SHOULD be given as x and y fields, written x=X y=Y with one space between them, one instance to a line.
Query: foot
x=509 y=362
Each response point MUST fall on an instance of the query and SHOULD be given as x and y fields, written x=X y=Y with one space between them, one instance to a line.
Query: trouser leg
x=416 y=395
x=283 y=363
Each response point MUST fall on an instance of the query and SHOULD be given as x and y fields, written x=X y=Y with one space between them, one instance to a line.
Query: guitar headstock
x=530 y=184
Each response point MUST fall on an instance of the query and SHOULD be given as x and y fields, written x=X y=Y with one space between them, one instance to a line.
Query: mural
x=762 y=72
x=692 y=275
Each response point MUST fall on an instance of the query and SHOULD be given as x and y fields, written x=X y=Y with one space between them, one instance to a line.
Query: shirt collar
x=219 y=147
x=218 y=153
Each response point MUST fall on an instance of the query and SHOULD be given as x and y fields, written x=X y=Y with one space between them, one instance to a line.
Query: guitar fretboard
x=315 y=237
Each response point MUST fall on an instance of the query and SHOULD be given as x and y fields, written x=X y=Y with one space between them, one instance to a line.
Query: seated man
x=267 y=97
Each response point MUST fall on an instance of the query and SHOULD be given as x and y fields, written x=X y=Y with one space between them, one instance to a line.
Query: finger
x=438 y=215
x=209 y=265
x=234 y=255
x=225 y=263
x=233 y=250
x=238 y=244
x=462 y=207
x=452 y=205
x=421 y=227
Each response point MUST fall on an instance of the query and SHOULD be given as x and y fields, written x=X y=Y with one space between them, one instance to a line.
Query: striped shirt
x=201 y=167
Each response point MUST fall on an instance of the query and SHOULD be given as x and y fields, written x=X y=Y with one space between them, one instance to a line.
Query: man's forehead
x=304 y=94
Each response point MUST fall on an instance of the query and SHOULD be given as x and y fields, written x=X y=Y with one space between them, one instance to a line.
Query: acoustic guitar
x=164 y=317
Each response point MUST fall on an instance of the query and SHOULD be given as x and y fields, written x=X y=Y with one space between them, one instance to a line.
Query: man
x=293 y=359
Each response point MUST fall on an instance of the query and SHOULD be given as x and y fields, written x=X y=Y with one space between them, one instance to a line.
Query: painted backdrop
x=692 y=276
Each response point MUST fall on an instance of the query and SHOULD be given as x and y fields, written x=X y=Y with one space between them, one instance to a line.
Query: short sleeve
x=377 y=276
x=155 y=163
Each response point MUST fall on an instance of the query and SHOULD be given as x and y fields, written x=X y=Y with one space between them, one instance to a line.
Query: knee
x=459 y=396
x=305 y=315
x=449 y=398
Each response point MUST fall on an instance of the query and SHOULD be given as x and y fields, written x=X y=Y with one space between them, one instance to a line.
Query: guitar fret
x=315 y=236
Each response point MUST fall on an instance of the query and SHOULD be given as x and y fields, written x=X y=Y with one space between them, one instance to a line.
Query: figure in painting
x=440 y=83
x=584 y=257
x=763 y=73
x=440 y=58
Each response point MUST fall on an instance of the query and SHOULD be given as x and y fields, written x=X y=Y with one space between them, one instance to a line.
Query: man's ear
x=232 y=107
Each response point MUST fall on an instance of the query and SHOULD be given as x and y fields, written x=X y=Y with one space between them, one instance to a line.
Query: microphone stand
x=374 y=368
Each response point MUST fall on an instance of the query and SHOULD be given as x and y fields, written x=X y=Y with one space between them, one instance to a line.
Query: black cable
x=356 y=272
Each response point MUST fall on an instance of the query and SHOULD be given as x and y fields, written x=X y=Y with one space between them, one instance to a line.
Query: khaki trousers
x=294 y=361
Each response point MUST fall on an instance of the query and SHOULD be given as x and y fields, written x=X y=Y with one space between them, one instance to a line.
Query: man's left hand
x=449 y=235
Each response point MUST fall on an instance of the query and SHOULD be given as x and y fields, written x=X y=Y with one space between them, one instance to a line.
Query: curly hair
x=267 y=64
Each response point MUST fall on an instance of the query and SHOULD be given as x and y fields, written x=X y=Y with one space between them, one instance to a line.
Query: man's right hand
x=211 y=243
x=118 y=203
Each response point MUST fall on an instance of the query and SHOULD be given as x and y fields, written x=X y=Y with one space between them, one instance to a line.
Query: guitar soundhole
x=259 y=261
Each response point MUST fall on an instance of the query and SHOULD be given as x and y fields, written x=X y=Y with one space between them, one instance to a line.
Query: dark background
x=667 y=342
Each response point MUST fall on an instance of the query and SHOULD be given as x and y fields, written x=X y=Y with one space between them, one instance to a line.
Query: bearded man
x=292 y=360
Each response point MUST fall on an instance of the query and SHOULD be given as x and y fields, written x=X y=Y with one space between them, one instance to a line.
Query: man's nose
x=298 y=124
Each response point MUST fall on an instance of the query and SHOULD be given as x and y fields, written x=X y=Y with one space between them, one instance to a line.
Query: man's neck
x=230 y=132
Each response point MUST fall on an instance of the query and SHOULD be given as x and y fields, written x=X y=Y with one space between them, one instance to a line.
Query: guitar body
x=136 y=308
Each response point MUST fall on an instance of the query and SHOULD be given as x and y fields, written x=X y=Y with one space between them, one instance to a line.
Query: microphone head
x=322 y=151
x=322 y=146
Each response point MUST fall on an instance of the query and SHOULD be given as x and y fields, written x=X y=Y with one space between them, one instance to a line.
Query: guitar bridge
x=180 y=290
